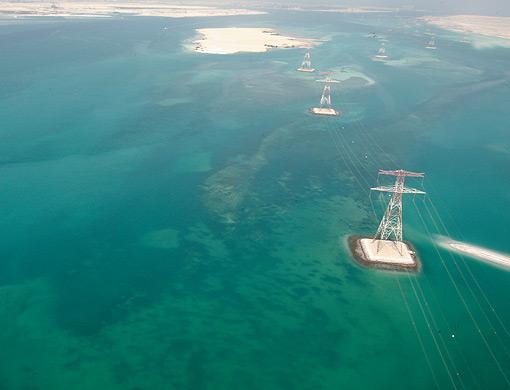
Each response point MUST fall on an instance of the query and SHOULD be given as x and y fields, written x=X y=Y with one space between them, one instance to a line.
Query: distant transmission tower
x=431 y=44
x=326 y=93
x=326 y=96
x=390 y=228
x=306 y=65
x=381 y=54
x=325 y=105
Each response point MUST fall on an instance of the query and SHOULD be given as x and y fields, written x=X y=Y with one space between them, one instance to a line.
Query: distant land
x=110 y=9
x=492 y=26
x=344 y=10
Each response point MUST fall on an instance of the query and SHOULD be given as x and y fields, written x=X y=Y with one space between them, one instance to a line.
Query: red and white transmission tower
x=390 y=228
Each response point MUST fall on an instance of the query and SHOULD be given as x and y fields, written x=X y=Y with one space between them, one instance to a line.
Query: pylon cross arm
x=404 y=190
x=400 y=172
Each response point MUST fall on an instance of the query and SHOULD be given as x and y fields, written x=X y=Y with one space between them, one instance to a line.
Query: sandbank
x=347 y=73
x=477 y=252
x=251 y=40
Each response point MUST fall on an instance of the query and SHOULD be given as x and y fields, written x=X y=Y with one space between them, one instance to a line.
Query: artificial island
x=387 y=249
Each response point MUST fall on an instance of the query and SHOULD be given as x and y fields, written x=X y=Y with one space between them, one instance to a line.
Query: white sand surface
x=110 y=8
x=253 y=40
x=384 y=251
x=475 y=251
x=493 y=26
x=324 y=111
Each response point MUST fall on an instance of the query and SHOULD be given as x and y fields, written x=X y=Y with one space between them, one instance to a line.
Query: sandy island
x=251 y=40
x=475 y=251
x=411 y=263
x=493 y=26
x=110 y=9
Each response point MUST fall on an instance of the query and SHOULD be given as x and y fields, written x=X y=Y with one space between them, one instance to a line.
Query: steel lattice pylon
x=307 y=62
x=326 y=96
x=326 y=93
x=390 y=228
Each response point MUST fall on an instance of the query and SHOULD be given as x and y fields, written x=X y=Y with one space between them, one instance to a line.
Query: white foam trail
x=474 y=251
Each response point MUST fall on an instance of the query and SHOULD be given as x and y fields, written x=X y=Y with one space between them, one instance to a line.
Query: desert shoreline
x=492 y=26
x=111 y=9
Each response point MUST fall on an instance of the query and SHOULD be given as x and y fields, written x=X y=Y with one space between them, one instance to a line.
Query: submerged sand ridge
x=250 y=40
x=111 y=8
x=474 y=251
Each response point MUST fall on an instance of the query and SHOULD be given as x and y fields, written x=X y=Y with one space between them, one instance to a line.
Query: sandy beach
x=493 y=26
x=109 y=9
x=250 y=40
x=475 y=251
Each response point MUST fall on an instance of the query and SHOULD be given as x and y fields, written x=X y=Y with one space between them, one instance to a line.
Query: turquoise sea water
x=173 y=220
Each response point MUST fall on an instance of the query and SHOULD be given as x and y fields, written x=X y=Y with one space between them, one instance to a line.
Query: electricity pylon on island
x=381 y=53
x=390 y=228
x=431 y=44
x=306 y=65
x=325 y=104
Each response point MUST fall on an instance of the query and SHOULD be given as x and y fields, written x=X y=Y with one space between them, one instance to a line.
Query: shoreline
x=345 y=10
x=68 y=9
x=491 y=26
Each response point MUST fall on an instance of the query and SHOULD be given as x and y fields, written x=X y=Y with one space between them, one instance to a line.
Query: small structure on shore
x=325 y=105
x=387 y=249
x=306 y=65
x=431 y=45
x=381 y=53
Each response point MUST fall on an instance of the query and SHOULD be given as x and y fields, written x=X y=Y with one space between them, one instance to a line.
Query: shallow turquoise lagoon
x=173 y=220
